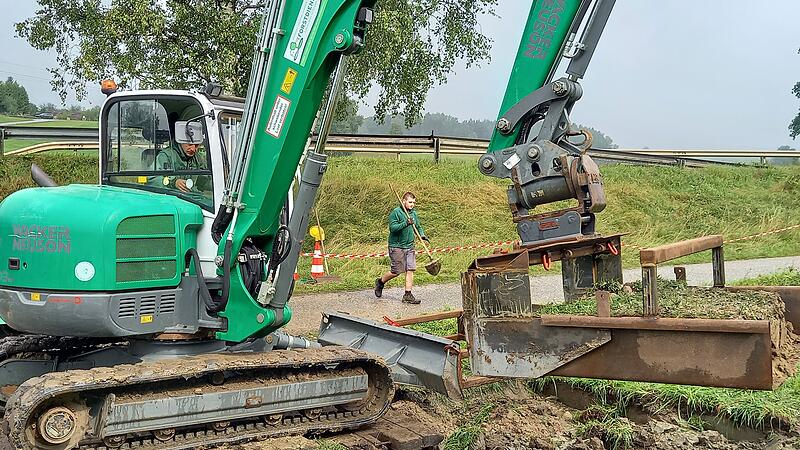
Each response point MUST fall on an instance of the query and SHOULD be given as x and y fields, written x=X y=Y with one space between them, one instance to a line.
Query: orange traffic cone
x=296 y=275
x=317 y=267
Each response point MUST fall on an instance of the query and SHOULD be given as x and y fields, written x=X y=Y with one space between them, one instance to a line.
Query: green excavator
x=146 y=311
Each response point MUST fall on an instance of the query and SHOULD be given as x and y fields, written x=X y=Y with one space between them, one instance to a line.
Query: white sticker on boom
x=278 y=116
x=511 y=162
x=302 y=30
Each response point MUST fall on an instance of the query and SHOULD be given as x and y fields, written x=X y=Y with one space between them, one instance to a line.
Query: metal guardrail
x=60 y=133
x=438 y=146
x=50 y=146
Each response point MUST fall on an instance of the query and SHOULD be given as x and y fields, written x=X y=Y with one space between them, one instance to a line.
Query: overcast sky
x=667 y=74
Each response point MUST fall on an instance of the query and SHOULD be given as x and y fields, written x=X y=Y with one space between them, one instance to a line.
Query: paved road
x=438 y=297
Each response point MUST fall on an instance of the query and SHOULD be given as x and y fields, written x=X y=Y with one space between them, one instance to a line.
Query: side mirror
x=188 y=132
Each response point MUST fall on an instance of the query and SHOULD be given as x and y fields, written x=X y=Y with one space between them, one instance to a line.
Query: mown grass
x=676 y=299
x=9 y=119
x=458 y=206
x=64 y=124
x=789 y=277
x=16 y=144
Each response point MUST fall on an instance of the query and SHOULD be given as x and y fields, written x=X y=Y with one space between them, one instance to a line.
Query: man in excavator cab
x=185 y=153
x=160 y=144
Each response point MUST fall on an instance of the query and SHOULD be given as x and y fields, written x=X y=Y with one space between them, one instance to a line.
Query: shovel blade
x=434 y=267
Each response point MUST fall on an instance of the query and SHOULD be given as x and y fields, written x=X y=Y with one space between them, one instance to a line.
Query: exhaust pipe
x=41 y=177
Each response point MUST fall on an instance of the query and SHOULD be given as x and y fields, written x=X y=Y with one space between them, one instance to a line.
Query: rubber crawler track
x=25 y=403
x=36 y=343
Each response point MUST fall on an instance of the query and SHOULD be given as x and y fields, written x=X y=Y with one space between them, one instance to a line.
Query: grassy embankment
x=459 y=206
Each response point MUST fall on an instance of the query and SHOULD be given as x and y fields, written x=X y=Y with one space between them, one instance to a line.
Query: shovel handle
x=408 y=216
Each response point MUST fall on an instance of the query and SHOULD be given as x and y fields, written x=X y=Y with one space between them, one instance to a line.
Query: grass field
x=9 y=119
x=16 y=144
x=64 y=123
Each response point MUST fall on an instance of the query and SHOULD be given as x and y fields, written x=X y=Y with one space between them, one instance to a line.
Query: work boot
x=379 y=287
x=408 y=297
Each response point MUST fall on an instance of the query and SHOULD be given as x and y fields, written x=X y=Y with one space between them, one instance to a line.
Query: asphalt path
x=308 y=309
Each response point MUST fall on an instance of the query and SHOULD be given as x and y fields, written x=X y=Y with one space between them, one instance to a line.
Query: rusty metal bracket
x=650 y=258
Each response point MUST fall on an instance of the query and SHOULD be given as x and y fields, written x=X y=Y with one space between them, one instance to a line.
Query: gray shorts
x=402 y=260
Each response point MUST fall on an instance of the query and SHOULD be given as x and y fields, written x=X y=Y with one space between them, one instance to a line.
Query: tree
x=346 y=119
x=183 y=44
x=14 y=98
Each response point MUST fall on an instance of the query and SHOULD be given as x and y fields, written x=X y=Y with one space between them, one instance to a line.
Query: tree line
x=14 y=101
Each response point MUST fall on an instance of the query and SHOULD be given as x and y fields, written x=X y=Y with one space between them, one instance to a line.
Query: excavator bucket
x=415 y=358
x=509 y=339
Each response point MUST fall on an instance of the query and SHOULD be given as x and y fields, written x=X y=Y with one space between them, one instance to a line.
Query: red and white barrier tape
x=780 y=230
x=433 y=250
x=503 y=243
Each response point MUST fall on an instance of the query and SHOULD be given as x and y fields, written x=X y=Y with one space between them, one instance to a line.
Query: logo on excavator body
x=288 y=81
x=302 y=31
x=147 y=318
x=541 y=38
x=41 y=238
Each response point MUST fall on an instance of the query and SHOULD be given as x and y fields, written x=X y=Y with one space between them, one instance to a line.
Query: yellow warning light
x=317 y=233
x=108 y=86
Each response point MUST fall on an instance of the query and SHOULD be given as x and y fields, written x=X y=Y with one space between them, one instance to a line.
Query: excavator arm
x=301 y=46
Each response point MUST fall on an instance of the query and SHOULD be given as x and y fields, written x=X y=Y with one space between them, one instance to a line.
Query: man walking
x=401 y=247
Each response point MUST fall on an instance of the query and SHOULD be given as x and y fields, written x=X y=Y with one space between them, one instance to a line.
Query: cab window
x=142 y=149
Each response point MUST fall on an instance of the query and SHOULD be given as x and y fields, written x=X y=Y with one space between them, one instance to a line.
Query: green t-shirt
x=172 y=159
x=401 y=234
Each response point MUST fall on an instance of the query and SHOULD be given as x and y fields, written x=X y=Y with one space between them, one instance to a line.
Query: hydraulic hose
x=281 y=247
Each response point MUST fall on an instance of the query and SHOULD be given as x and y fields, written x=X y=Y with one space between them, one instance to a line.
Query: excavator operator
x=178 y=157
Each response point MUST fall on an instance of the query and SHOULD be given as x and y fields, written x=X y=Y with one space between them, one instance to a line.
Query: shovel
x=435 y=265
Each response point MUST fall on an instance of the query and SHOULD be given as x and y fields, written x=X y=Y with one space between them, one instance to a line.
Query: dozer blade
x=414 y=358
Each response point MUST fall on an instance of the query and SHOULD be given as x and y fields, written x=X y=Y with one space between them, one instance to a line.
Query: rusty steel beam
x=701 y=358
x=790 y=296
x=427 y=318
x=658 y=324
x=556 y=251
x=663 y=253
